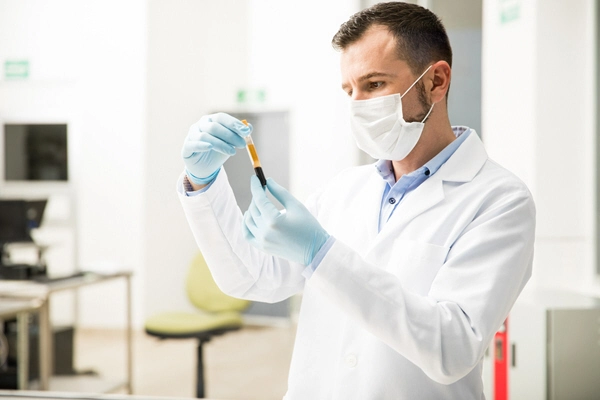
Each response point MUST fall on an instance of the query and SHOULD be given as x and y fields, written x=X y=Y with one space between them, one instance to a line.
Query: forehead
x=375 y=50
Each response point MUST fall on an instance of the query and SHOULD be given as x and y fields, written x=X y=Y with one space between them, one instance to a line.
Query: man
x=408 y=266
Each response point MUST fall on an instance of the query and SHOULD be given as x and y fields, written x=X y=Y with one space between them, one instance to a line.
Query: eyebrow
x=371 y=75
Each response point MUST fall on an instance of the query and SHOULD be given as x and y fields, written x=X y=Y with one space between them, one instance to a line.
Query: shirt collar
x=386 y=171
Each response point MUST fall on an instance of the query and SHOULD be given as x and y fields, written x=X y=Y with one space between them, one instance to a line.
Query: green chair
x=217 y=314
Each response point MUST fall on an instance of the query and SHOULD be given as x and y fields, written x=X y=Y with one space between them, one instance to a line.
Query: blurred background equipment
x=217 y=314
x=17 y=219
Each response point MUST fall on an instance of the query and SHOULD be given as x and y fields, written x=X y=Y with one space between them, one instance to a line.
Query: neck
x=433 y=140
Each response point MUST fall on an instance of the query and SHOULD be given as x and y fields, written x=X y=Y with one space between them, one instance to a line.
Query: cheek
x=394 y=88
x=411 y=104
x=424 y=100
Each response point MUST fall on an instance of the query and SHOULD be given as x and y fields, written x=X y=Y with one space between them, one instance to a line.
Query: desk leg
x=45 y=344
x=129 y=339
x=23 y=350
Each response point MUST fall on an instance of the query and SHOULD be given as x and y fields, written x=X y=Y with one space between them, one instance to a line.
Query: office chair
x=217 y=314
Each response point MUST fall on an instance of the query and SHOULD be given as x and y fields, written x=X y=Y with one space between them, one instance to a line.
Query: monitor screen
x=34 y=212
x=35 y=152
x=18 y=218
x=13 y=221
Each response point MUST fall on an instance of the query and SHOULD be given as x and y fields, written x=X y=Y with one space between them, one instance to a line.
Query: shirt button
x=351 y=360
x=392 y=200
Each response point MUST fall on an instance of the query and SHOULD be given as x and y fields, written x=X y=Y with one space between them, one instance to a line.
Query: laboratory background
x=96 y=98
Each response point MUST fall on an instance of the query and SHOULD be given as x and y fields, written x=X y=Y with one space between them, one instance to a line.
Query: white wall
x=566 y=148
x=508 y=89
x=197 y=59
x=538 y=121
x=293 y=59
x=109 y=187
x=87 y=68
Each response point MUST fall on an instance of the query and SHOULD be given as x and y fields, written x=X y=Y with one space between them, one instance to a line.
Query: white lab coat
x=405 y=313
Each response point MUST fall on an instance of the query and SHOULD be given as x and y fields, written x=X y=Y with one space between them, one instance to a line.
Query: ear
x=439 y=76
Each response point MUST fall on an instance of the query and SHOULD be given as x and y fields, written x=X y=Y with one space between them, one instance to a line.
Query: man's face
x=371 y=68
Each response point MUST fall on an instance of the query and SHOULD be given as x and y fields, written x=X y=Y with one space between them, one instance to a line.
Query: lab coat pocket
x=416 y=264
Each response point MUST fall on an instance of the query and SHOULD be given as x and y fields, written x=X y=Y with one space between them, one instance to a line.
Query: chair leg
x=200 y=372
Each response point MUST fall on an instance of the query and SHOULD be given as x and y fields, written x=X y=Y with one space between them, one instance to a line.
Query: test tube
x=254 y=157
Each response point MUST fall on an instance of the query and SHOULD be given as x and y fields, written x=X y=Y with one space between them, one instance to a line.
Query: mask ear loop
x=427 y=116
x=415 y=82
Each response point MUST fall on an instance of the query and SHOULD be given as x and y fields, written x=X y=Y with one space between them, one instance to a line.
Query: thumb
x=260 y=199
x=280 y=193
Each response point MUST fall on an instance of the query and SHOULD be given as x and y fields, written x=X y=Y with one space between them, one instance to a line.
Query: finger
x=217 y=144
x=259 y=197
x=280 y=193
x=232 y=123
x=196 y=136
x=192 y=147
x=254 y=212
x=222 y=132
x=247 y=234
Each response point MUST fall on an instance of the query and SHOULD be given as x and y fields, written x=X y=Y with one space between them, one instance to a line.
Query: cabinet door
x=573 y=354
x=527 y=367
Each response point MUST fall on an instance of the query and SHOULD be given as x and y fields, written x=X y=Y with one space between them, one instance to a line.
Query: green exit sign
x=16 y=69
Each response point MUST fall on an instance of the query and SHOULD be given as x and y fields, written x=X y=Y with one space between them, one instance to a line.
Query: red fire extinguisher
x=501 y=363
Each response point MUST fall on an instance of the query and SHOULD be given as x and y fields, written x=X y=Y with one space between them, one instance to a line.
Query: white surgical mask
x=379 y=127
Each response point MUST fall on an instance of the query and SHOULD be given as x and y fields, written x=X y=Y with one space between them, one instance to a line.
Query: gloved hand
x=294 y=234
x=209 y=143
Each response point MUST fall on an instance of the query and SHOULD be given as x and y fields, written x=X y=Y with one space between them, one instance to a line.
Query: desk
x=21 y=308
x=43 y=290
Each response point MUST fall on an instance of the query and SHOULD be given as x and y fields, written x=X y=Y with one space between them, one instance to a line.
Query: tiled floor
x=248 y=364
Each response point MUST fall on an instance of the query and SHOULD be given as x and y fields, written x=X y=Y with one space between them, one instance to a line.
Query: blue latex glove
x=294 y=234
x=209 y=143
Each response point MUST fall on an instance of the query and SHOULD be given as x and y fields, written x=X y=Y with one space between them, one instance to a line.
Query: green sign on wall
x=16 y=69
x=510 y=10
x=255 y=96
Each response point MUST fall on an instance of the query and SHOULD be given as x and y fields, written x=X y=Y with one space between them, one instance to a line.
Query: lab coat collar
x=466 y=161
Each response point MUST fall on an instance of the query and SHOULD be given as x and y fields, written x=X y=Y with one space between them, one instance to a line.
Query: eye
x=375 y=85
x=349 y=93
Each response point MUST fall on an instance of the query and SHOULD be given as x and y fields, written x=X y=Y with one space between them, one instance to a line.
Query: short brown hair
x=419 y=33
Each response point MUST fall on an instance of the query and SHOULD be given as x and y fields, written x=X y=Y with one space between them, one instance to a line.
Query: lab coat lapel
x=357 y=225
x=374 y=192
x=462 y=166
x=367 y=203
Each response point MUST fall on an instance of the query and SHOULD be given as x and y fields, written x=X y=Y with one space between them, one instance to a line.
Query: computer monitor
x=35 y=152
x=18 y=218
x=13 y=222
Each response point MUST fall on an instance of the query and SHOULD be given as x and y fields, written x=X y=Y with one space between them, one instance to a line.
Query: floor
x=249 y=364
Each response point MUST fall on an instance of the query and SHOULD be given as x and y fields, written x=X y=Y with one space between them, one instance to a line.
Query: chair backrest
x=204 y=293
